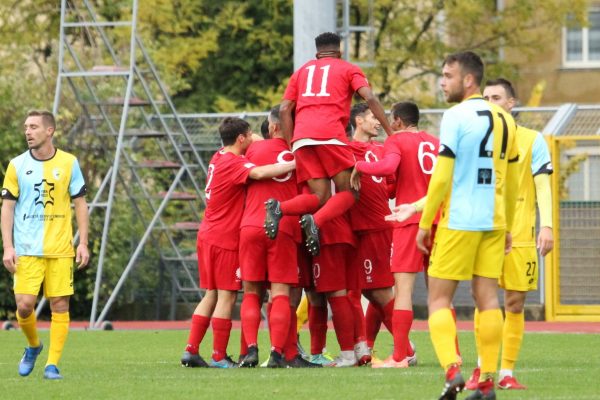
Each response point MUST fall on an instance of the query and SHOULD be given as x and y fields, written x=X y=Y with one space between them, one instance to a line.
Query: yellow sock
x=476 y=332
x=490 y=336
x=442 y=330
x=512 y=336
x=59 y=329
x=29 y=328
x=302 y=313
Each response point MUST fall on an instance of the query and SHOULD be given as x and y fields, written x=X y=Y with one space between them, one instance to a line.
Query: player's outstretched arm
x=9 y=257
x=82 y=254
x=404 y=211
x=272 y=170
x=366 y=93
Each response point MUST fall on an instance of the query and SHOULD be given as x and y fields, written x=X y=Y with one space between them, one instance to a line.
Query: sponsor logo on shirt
x=44 y=191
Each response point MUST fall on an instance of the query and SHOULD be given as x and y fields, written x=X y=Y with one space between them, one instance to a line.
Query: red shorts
x=304 y=268
x=333 y=268
x=373 y=259
x=322 y=161
x=263 y=259
x=405 y=255
x=219 y=268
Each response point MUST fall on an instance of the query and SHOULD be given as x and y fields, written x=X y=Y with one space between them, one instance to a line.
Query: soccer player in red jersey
x=333 y=274
x=320 y=94
x=410 y=154
x=263 y=260
x=218 y=240
x=374 y=234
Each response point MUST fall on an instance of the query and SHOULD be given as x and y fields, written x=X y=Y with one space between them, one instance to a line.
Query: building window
x=581 y=45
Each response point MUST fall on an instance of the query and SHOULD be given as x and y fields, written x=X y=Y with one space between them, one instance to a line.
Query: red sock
x=402 y=322
x=372 y=324
x=243 y=344
x=269 y=307
x=317 y=325
x=360 y=335
x=306 y=203
x=337 y=205
x=200 y=324
x=455 y=339
x=221 y=331
x=343 y=323
x=279 y=322
x=291 y=344
x=387 y=313
x=250 y=314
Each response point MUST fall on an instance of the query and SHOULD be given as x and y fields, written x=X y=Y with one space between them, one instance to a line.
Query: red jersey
x=323 y=90
x=225 y=191
x=373 y=205
x=418 y=152
x=282 y=188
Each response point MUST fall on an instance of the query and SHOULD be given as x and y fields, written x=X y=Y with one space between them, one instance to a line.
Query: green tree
x=411 y=38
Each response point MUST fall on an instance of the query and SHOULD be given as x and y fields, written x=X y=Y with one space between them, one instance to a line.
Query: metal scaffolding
x=151 y=162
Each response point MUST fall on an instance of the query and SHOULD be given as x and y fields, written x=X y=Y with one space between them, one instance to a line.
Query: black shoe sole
x=272 y=217
x=311 y=233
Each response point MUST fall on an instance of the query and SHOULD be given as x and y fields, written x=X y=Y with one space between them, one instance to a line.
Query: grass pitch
x=145 y=365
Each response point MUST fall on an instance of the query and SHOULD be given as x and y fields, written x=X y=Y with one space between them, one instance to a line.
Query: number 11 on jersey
x=309 y=82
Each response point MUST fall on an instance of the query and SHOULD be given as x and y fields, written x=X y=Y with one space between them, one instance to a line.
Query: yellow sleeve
x=11 y=183
x=543 y=194
x=440 y=183
x=512 y=178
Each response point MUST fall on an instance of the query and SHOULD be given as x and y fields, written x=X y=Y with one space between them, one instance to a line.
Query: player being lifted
x=320 y=94
x=520 y=272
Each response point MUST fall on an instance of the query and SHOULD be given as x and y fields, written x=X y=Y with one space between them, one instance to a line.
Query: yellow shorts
x=520 y=272
x=56 y=273
x=458 y=255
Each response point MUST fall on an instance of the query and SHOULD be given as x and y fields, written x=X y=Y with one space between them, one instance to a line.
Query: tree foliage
x=412 y=38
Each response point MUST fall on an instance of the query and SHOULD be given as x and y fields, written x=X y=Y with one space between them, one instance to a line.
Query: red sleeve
x=387 y=166
x=240 y=170
x=291 y=91
x=357 y=78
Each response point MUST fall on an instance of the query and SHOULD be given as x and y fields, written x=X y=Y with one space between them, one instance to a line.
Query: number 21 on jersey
x=309 y=81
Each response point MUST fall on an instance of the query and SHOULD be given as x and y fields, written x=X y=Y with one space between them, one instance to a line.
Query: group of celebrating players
x=307 y=208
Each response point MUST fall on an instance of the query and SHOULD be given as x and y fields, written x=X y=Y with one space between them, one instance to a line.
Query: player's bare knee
x=514 y=302
x=24 y=309
x=59 y=304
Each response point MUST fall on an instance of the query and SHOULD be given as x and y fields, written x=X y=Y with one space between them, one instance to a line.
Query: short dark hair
x=274 y=113
x=231 y=128
x=328 y=39
x=406 y=111
x=470 y=63
x=264 y=128
x=357 y=110
x=47 y=117
x=505 y=83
